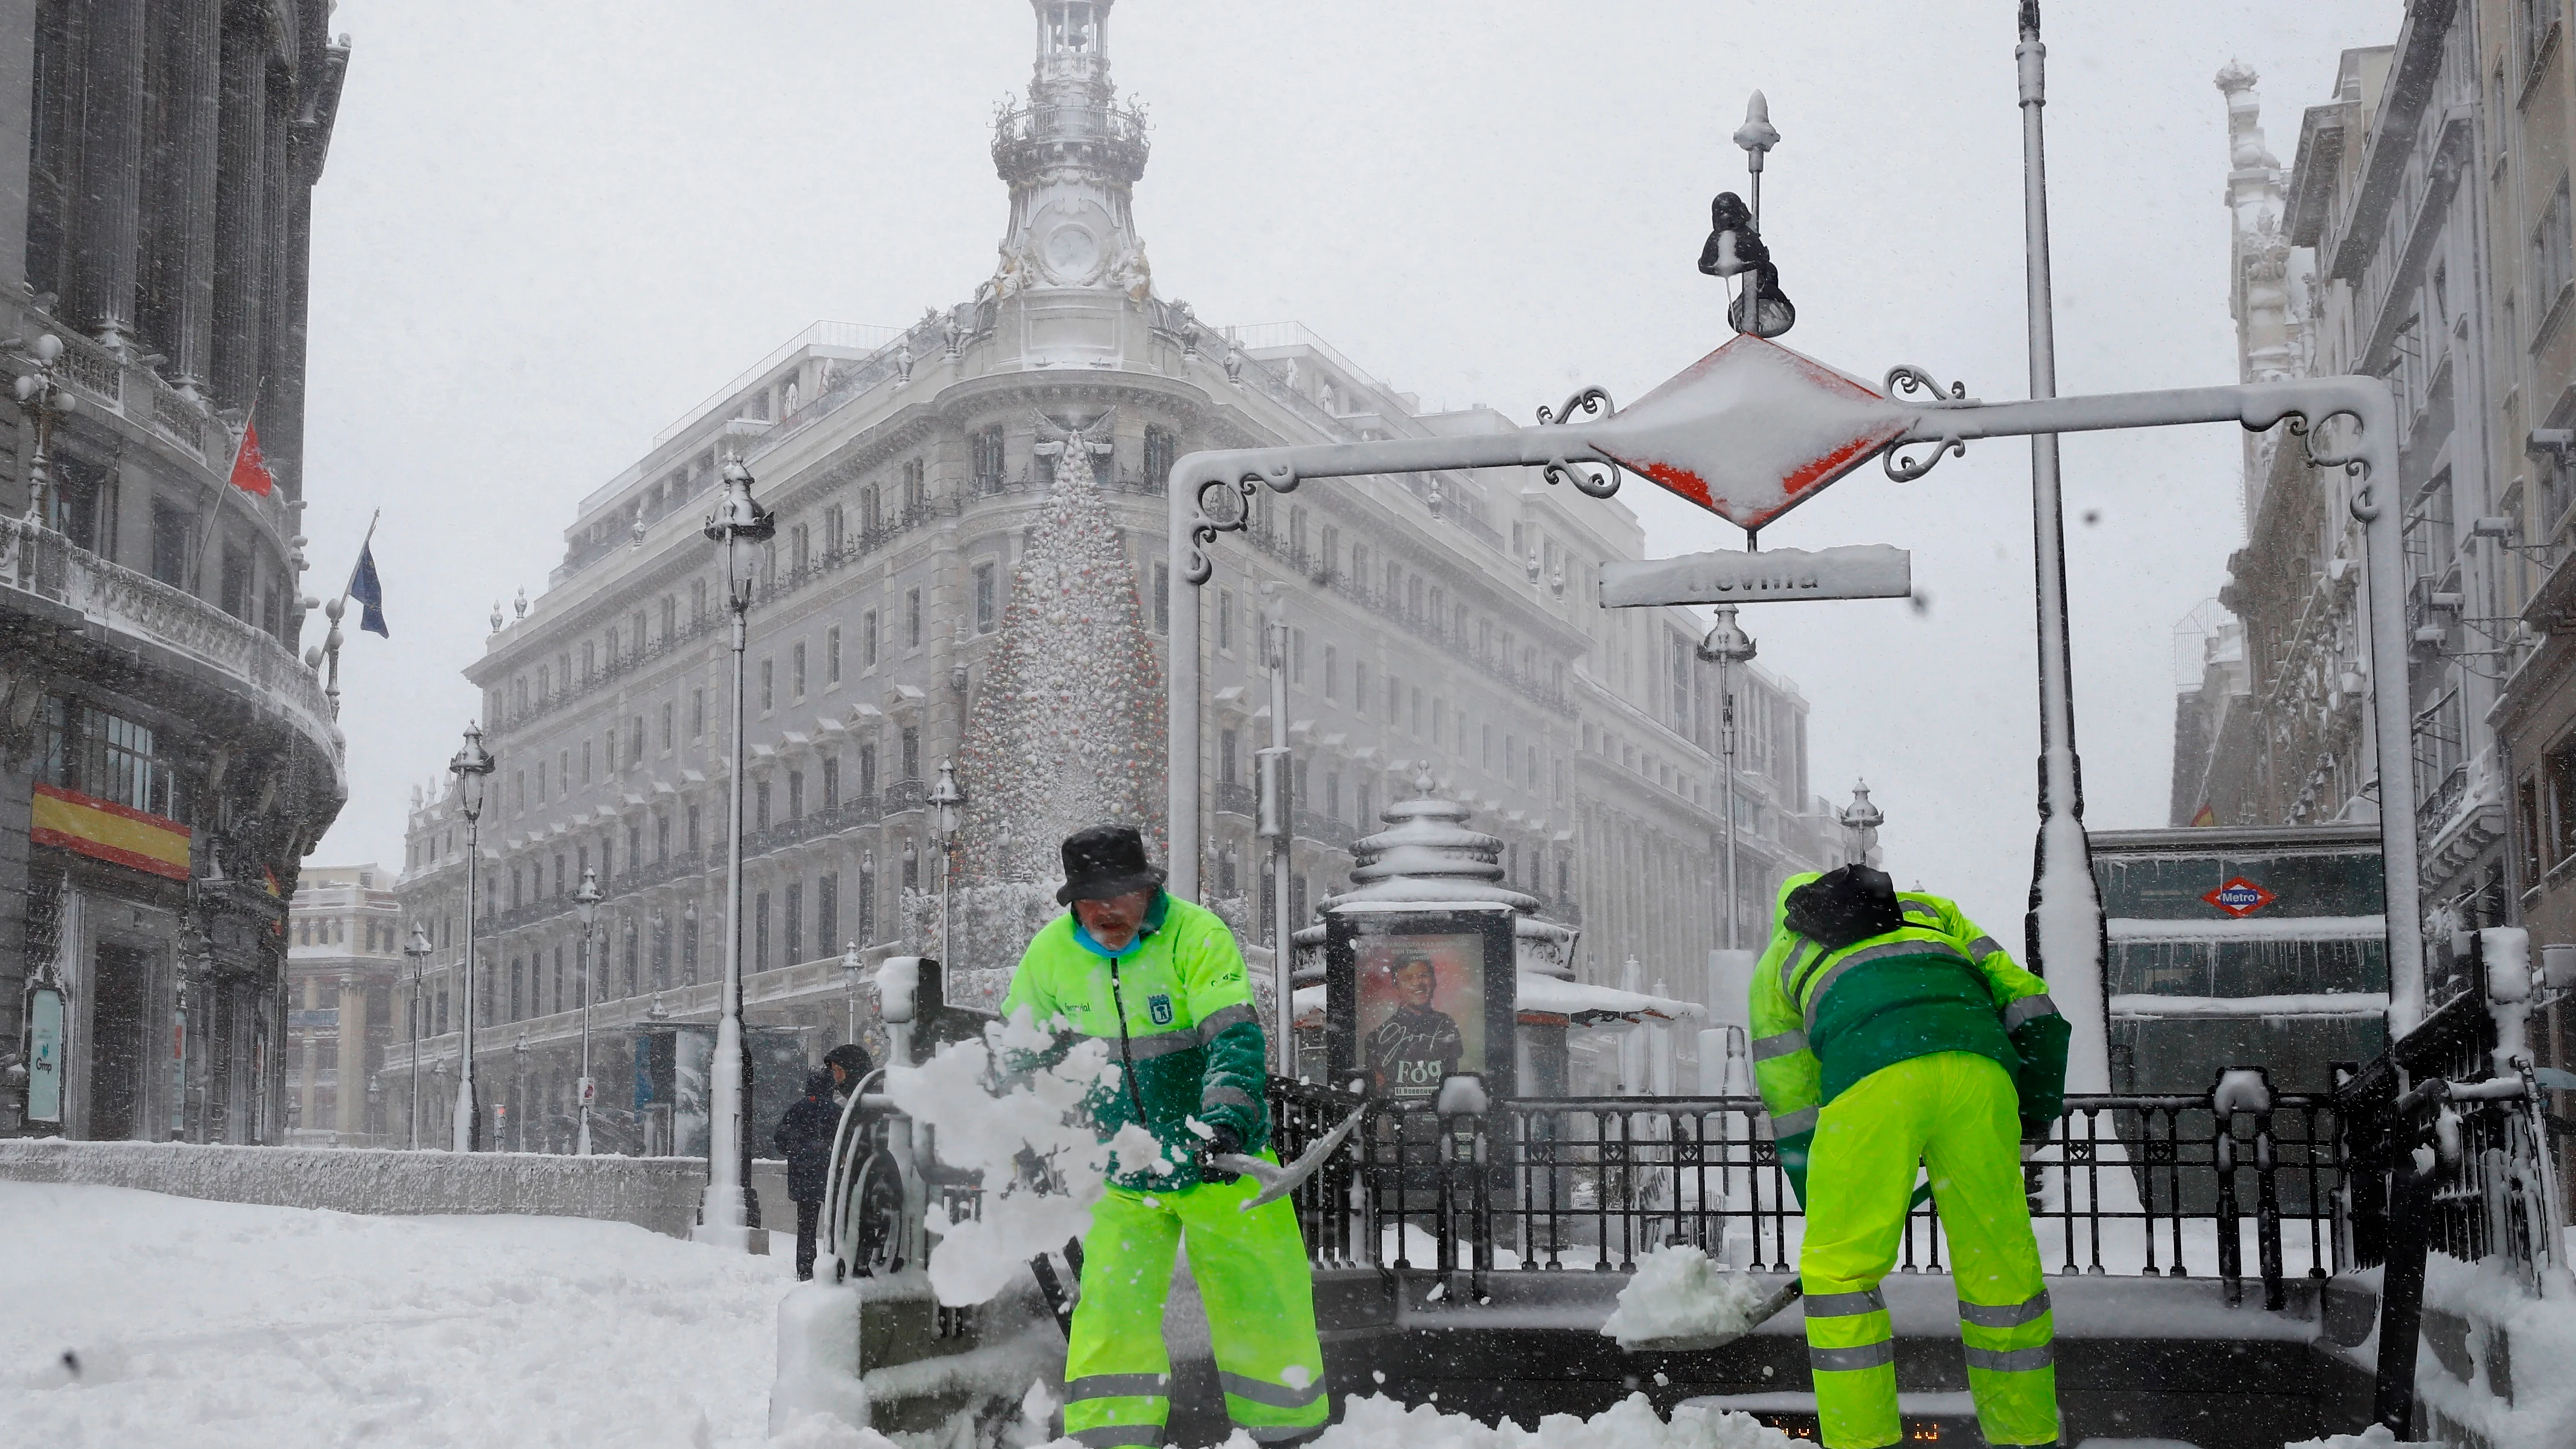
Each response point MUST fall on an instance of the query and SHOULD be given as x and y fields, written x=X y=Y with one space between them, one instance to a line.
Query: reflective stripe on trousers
x=1956 y=1113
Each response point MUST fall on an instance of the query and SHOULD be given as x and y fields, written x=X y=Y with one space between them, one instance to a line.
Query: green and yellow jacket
x=1824 y=1019
x=1176 y=1010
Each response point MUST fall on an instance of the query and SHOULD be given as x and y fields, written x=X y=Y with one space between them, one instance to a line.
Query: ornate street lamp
x=585 y=902
x=1860 y=821
x=729 y=1210
x=518 y=1103
x=1728 y=646
x=472 y=766
x=41 y=393
x=418 y=949
x=947 y=803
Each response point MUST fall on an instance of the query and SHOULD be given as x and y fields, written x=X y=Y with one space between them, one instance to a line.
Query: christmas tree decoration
x=1066 y=728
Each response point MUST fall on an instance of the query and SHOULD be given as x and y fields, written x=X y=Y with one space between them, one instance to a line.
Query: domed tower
x=1071 y=157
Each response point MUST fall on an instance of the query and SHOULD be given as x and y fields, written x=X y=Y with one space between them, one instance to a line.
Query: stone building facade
x=2367 y=255
x=165 y=758
x=1446 y=618
x=344 y=955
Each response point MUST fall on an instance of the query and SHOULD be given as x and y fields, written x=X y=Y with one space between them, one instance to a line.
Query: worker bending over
x=1888 y=1030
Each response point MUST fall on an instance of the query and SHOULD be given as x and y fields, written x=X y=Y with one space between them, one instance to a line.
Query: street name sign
x=1727 y=576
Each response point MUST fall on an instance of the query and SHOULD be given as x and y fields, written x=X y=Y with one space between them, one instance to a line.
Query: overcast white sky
x=547 y=231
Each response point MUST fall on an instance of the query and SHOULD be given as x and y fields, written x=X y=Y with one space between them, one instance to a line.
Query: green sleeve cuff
x=1793 y=1162
x=2041 y=1043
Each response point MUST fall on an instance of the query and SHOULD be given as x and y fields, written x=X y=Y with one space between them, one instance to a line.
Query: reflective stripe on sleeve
x=1159 y=1044
x=2029 y=1008
x=1802 y=1120
x=1846 y=1305
x=2012 y=1361
x=1117 y=1386
x=1867 y=1356
x=1217 y=1021
x=1277 y=1396
x=1984 y=946
x=1921 y=909
x=1223 y=1096
x=2005 y=1315
x=1789 y=965
x=1787 y=1043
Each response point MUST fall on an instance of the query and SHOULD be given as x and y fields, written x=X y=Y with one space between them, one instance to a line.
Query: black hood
x=1851 y=903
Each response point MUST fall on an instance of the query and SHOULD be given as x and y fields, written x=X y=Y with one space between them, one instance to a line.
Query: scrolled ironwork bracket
x=1593 y=403
x=1225 y=506
x=1919 y=387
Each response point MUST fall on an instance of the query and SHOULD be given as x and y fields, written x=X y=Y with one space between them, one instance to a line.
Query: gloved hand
x=1221 y=1141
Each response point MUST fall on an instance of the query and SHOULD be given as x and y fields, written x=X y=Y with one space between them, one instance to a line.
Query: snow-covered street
x=220 y=1324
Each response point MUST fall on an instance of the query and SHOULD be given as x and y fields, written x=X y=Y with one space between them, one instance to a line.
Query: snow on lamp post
x=471 y=766
x=585 y=903
x=947 y=804
x=850 y=964
x=728 y=1211
x=418 y=949
x=1728 y=646
x=1276 y=823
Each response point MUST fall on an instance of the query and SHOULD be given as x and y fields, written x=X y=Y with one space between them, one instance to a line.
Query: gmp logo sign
x=2240 y=897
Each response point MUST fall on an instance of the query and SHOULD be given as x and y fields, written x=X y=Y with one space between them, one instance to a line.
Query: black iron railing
x=2164 y=1186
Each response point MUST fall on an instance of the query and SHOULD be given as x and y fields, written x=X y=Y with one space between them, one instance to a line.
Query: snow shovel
x=1763 y=1312
x=1277 y=1182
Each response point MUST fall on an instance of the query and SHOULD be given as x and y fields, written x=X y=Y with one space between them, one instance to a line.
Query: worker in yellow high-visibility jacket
x=1888 y=1030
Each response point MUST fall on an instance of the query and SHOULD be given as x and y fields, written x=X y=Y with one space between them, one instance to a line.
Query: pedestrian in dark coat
x=804 y=1139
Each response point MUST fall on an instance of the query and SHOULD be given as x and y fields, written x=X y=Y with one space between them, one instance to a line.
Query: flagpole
x=215 y=514
x=363 y=545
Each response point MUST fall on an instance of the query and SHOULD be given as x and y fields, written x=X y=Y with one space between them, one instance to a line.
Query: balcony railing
x=44 y=563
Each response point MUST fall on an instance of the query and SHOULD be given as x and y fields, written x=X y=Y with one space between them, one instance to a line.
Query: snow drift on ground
x=213 y=1324
x=2374 y=1437
x=1678 y=1292
x=1376 y=1422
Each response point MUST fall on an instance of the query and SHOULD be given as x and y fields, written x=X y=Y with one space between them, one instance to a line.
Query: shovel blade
x=1768 y=1309
x=1277 y=1182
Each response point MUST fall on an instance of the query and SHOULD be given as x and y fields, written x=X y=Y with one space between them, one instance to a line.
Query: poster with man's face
x=1421 y=1010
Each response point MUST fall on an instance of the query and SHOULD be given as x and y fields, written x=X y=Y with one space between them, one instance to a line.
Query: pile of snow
x=138 y=1318
x=1678 y=1292
x=975 y=1129
x=1376 y=1422
x=2374 y=1437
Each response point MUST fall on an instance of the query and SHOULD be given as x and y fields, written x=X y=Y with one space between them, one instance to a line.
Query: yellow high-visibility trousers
x=1252 y=1275
x=1956 y=1113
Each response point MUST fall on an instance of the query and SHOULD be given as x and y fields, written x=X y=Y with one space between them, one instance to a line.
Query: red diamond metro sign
x=2240 y=897
x=1751 y=431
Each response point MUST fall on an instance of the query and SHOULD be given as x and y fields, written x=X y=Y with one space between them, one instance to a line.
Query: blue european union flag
x=369 y=593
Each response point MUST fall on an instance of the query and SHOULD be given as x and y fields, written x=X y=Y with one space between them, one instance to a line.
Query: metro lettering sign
x=1728 y=576
x=2240 y=897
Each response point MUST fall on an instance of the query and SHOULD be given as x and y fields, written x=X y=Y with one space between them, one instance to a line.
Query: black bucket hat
x=851 y=1058
x=1101 y=861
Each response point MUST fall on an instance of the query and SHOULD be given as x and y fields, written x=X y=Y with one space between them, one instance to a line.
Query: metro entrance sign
x=1702 y=426
x=1780 y=575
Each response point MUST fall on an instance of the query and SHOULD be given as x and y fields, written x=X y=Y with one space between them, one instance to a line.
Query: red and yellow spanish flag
x=102 y=830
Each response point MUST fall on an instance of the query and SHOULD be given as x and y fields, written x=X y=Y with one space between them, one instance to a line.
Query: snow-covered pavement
x=220 y=1324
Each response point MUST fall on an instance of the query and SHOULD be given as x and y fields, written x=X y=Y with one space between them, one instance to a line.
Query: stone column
x=110 y=195
x=241 y=268
x=196 y=114
x=276 y=386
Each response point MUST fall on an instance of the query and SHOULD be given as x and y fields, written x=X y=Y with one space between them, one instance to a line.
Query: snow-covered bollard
x=1679 y=1300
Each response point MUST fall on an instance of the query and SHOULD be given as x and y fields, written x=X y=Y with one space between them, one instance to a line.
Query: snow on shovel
x=1277 y=1182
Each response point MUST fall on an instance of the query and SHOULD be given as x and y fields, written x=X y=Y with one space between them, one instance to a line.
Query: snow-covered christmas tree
x=1066 y=729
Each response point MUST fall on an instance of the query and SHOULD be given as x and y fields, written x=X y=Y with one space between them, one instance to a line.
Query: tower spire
x=1071 y=157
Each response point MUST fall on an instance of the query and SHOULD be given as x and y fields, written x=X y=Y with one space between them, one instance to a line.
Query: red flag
x=250 y=471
